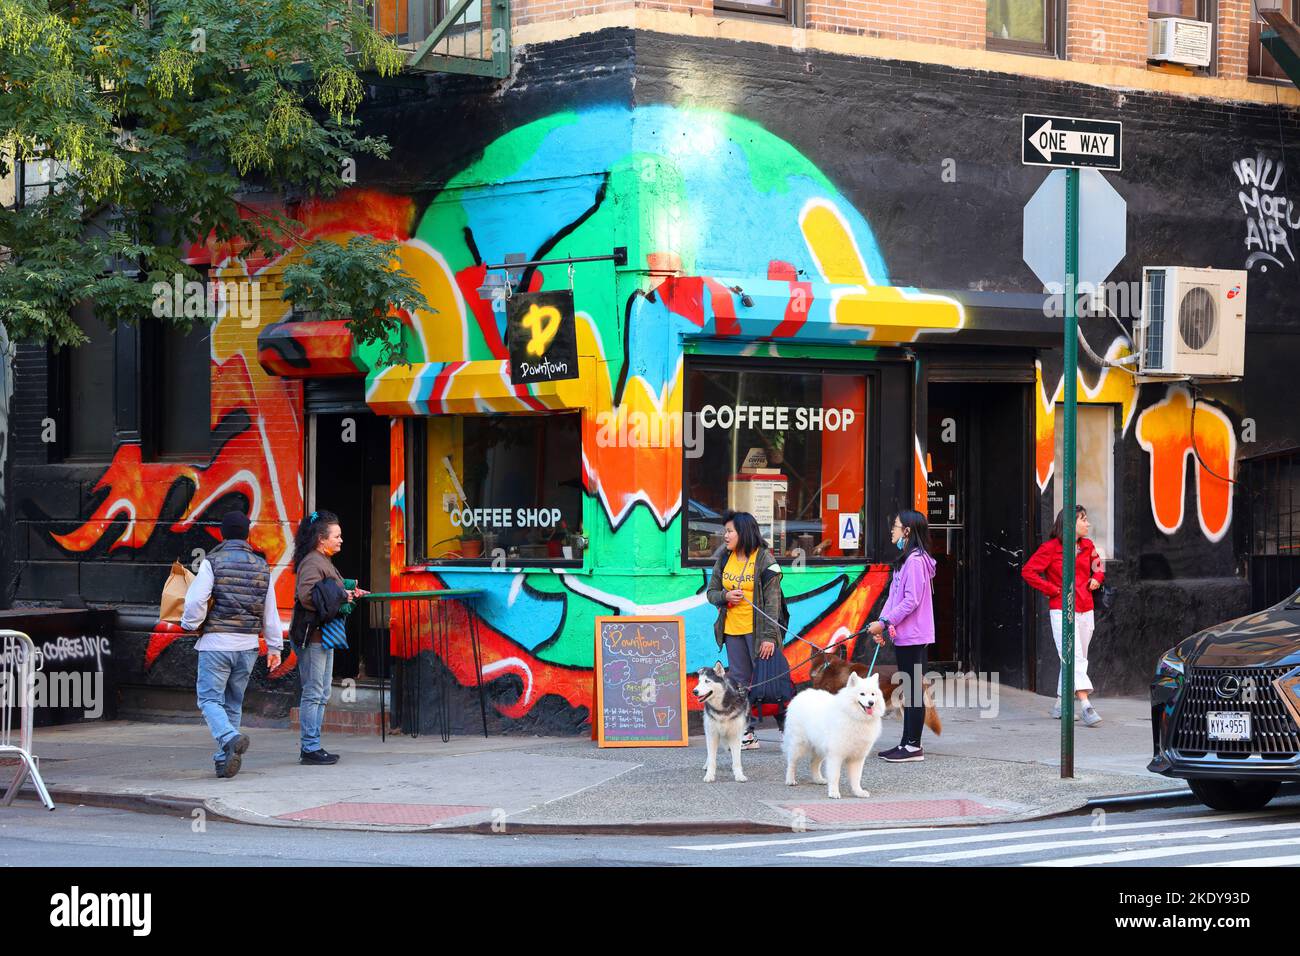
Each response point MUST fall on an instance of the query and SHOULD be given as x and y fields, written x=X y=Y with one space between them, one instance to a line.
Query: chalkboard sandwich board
x=640 y=682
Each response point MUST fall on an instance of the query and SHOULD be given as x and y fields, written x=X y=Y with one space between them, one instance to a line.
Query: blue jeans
x=222 y=679
x=316 y=671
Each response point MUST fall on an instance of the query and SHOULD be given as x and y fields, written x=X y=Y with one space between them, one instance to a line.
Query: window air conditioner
x=1193 y=322
x=1176 y=40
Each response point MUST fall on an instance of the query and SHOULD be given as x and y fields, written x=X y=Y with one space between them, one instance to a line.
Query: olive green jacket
x=767 y=576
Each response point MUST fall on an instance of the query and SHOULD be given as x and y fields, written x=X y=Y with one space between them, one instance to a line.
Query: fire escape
x=448 y=36
x=1280 y=36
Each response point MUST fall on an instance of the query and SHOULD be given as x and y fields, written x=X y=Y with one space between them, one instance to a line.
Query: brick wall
x=948 y=22
x=540 y=11
x=1102 y=32
x=1113 y=32
x=1232 y=33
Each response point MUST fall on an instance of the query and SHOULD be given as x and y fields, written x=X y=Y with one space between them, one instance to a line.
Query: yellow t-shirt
x=739 y=574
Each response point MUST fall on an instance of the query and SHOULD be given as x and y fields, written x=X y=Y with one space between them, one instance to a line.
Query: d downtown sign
x=1074 y=144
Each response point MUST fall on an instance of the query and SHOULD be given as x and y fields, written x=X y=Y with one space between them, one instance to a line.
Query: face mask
x=900 y=543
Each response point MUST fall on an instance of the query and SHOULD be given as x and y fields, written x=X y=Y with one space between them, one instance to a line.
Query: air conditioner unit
x=1193 y=322
x=1176 y=40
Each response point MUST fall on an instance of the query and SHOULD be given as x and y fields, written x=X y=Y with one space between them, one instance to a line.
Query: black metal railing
x=1269 y=485
x=407 y=624
x=450 y=36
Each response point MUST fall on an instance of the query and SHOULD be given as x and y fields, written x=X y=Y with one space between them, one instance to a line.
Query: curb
x=1155 y=798
x=185 y=806
x=160 y=804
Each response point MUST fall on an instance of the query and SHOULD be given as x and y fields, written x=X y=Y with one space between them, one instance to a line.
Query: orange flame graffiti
x=1165 y=432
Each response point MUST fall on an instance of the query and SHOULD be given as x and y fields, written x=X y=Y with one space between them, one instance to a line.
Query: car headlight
x=1171 y=665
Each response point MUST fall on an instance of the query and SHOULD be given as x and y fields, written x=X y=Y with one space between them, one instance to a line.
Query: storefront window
x=503 y=486
x=788 y=446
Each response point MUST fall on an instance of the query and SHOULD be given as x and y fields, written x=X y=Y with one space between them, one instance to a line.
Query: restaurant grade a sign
x=542 y=337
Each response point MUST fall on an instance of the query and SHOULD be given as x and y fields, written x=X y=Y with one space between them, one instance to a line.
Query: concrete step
x=351 y=710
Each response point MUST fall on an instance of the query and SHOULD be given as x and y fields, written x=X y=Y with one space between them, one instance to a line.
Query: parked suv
x=1224 y=709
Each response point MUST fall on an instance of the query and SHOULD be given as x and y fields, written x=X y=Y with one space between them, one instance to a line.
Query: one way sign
x=1071 y=142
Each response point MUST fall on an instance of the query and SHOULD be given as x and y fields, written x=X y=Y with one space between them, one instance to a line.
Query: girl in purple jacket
x=908 y=620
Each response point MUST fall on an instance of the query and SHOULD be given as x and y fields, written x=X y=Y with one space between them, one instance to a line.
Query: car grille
x=1272 y=731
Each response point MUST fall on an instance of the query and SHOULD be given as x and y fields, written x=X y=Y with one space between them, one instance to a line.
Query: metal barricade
x=17 y=678
x=406 y=623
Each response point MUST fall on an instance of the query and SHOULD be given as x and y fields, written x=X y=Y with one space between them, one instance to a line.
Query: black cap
x=234 y=526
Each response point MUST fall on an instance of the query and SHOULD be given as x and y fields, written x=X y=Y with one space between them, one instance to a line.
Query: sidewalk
x=980 y=770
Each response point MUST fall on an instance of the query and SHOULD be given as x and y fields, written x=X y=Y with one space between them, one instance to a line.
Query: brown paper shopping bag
x=173 y=593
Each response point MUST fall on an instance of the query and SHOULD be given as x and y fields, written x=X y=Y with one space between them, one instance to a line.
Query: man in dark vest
x=238 y=580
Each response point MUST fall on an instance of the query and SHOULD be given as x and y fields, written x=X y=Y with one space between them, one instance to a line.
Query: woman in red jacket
x=1043 y=572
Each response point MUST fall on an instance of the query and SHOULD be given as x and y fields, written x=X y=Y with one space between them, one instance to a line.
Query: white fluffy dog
x=837 y=729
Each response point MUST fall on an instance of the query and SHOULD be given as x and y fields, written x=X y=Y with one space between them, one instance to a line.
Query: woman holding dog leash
x=745 y=635
x=1044 y=572
x=908 y=620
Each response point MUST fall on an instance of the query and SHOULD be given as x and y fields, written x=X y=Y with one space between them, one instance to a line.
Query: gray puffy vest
x=240 y=578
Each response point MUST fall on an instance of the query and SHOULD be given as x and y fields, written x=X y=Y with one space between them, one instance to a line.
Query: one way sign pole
x=1070 y=141
x=1068 y=544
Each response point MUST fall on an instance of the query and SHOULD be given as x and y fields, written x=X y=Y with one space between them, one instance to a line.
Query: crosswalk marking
x=1254 y=861
x=985 y=852
x=1156 y=853
x=821 y=838
x=996 y=837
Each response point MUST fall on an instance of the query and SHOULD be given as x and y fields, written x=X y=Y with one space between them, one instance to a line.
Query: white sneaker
x=1090 y=717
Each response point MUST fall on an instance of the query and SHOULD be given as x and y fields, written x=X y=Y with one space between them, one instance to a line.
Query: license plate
x=1229 y=724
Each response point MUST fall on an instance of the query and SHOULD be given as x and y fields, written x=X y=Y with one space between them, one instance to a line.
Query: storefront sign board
x=542 y=337
x=640 y=682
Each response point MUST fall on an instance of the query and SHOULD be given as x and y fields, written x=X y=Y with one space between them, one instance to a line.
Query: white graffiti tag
x=1270 y=217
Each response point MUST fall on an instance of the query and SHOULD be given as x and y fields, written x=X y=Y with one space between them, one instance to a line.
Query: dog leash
x=842 y=640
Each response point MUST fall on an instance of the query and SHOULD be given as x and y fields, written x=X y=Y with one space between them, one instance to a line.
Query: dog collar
x=822 y=669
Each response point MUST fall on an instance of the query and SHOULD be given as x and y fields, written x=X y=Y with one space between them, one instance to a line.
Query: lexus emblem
x=1227 y=686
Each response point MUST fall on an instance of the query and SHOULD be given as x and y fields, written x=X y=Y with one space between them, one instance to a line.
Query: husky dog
x=836 y=729
x=726 y=712
x=830 y=671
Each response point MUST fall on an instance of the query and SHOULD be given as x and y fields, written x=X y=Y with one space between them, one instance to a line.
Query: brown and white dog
x=830 y=672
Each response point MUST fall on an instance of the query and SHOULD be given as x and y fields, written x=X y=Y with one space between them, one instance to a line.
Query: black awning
x=1022 y=319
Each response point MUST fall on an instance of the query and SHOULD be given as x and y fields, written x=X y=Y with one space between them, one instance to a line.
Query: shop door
x=979 y=511
x=348 y=462
x=946 y=514
x=1002 y=492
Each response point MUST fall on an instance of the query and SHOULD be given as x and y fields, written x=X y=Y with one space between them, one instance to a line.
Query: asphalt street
x=1178 y=836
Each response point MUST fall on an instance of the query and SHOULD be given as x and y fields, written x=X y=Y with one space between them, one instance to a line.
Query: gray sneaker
x=1090 y=717
x=1056 y=711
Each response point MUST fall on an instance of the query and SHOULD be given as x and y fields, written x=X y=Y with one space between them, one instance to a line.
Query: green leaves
x=359 y=283
x=159 y=119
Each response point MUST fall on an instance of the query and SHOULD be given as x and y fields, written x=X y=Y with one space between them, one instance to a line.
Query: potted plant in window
x=557 y=539
x=471 y=543
x=776 y=454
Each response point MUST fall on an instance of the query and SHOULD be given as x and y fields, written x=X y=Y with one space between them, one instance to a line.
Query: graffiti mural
x=1165 y=431
x=1174 y=441
x=738 y=244
x=824 y=272
x=256 y=424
